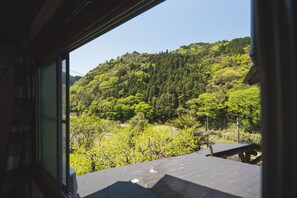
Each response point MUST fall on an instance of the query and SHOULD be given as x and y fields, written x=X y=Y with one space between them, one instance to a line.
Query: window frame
x=52 y=45
x=267 y=21
x=39 y=162
x=50 y=185
x=61 y=121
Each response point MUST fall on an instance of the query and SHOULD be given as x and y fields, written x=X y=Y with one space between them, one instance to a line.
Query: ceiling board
x=16 y=18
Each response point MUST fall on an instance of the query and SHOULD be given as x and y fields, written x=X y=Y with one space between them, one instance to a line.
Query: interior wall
x=7 y=58
x=35 y=191
x=7 y=55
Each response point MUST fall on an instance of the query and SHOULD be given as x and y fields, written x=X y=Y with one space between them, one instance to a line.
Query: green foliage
x=185 y=121
x=196 y=78
x=113 y=149
x=245 y=104
x=236 y=46
x=80 y=163
x=229 y=135
x=210 y=104
x=139 y=122
x=84 y=131
x=162 y=141
x=117 y=105
x=144 y=108
x=73 y=79
x=122 y=144
x=165 y=107
x=225 y=75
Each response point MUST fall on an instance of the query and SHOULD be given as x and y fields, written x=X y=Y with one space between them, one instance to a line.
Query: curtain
x=19 y=150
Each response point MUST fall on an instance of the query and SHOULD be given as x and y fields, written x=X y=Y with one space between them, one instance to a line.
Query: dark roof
x=192 y=175
x=252 y=76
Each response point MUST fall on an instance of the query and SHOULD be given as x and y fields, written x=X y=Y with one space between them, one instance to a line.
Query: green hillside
x=142 y=107
x=198 y=80
x=73 y=79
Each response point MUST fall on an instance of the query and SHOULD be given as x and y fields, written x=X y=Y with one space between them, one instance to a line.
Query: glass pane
x=63 y=88
x=64 y=175
x=64 y=117
x=48 y=119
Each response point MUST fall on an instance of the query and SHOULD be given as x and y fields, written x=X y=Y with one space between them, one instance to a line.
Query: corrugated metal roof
x=192 y=175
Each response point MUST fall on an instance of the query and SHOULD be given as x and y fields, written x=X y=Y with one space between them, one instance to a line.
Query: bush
x=185 y=121
x=80 y=163
x=230 y=135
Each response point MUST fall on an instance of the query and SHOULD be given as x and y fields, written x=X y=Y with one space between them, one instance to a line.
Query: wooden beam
x=247 y=157
x=211 y=150
x=242 y=157
x=235 y=151
x=256 y=160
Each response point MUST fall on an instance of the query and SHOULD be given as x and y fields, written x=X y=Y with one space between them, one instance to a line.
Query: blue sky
x=169 y=25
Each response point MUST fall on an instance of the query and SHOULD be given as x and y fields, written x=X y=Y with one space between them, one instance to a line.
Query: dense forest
x=73 y=79
x=142 y=106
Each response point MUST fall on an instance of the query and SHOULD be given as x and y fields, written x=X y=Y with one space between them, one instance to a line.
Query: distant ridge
x=201 y=79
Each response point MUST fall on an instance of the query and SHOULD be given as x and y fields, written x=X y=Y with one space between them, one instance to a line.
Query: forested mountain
x=198 y=80
x=73 y=79
x=142 y=107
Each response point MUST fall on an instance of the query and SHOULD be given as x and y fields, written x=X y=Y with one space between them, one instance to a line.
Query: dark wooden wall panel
x=276 y=38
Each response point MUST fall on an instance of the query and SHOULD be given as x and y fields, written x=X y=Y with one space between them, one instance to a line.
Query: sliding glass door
x=53 y=120
x=64 y=119
x=47 y=119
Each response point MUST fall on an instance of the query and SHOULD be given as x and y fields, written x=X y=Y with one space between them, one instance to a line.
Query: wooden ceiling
x=77 y=22
x=16 y=17
x=72 y=24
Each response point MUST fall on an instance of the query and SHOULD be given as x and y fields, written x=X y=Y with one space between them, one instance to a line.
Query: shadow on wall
x=168 y=187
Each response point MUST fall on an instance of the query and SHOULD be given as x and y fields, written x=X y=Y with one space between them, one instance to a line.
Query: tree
x=245 y=104
x=210 y=104
x=83 y=133
x=157 y=142
x=120 y=88
x=165 y=107
x=185 y=121
x=123 y=112
x=146 y=109
x=113 y=149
